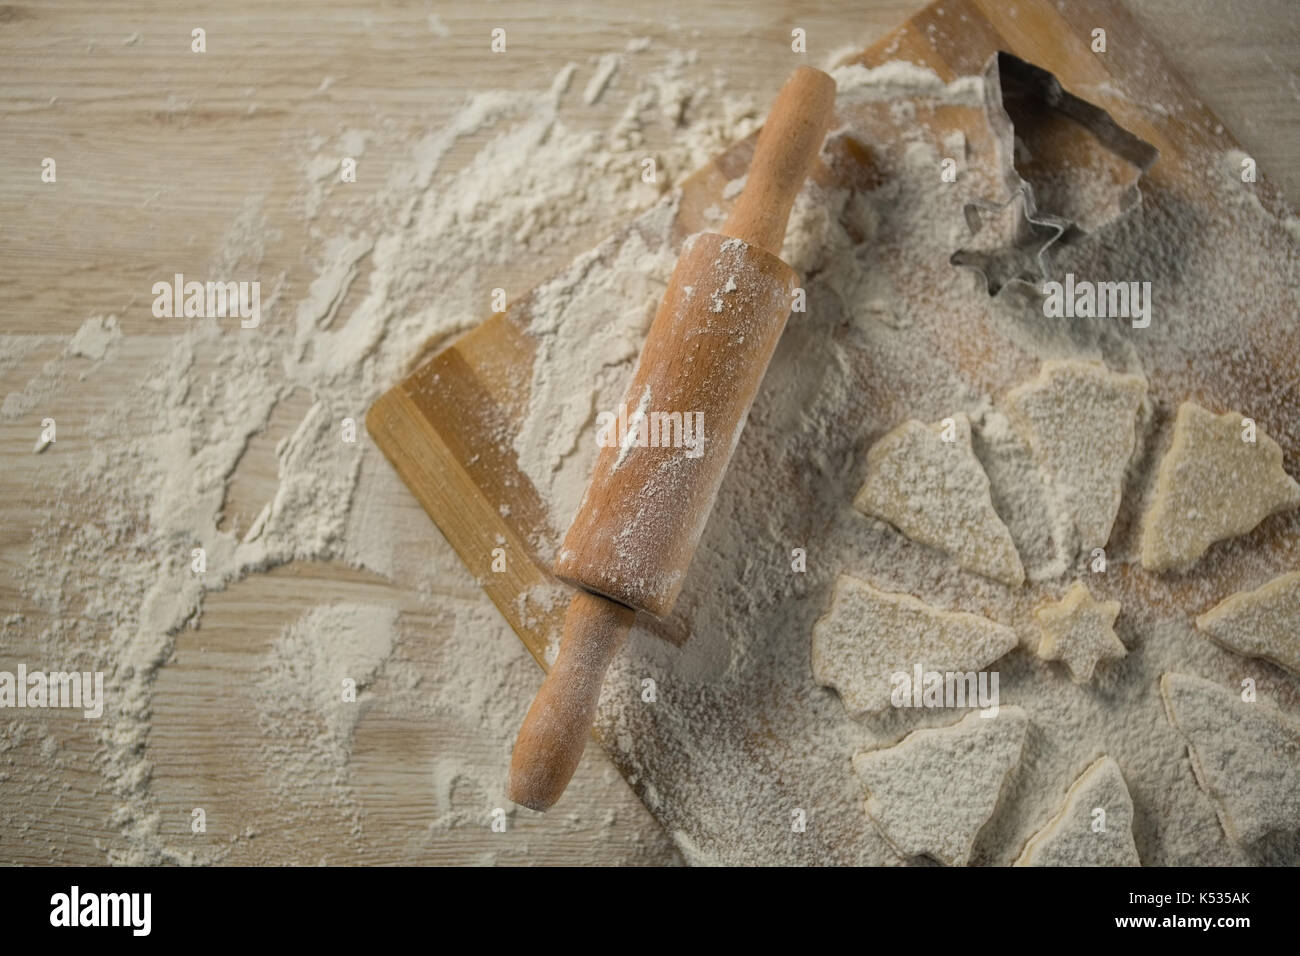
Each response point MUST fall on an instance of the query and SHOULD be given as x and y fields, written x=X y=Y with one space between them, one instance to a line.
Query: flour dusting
x=740 y=735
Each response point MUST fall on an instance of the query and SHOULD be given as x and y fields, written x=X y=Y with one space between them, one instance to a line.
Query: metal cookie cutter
x=1081 y=172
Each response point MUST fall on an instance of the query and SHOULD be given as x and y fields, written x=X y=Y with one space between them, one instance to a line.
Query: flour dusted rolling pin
x=649 y=499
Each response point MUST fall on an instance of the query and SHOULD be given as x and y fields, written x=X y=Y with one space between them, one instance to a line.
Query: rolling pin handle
x=557 y=726
x=788 y=144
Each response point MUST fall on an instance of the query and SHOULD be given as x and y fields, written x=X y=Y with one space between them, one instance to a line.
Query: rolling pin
x=649 y=498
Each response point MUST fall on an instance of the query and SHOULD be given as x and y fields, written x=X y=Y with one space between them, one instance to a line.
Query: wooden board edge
x=396 y=427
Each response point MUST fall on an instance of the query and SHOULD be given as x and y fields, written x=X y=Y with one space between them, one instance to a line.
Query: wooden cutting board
x=434 y=425
x=437 y=426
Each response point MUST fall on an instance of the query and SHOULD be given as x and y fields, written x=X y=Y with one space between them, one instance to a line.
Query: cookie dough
x=936 y=493
x=1246 y=756
x=1261 y=623
x=1211 y=485
x=1079 y=631
x=868 y=635
x=932 y=792
x=1079 y=835
x=1079 y=419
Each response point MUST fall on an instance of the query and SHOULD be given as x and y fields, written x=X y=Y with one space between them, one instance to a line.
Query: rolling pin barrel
x=654 y=483
x=636 y=531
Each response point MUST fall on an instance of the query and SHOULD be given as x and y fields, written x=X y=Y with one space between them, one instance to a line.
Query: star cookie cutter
x=1025 y=256
x=1072 y=139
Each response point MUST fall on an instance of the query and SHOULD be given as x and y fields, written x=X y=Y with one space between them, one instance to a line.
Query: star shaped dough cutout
x=1079 y=631
x=1009 y=241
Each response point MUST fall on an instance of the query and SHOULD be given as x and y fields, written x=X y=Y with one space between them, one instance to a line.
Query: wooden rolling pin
x=649 y=498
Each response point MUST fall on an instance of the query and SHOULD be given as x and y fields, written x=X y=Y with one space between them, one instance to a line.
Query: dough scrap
x=1246 y=756
x=1079 y=419
x=937 y=493
x=1069 y=838
x=1211 y=485
x=932 y=792
x=1079 y=631
x=868 y=635
x=1261 y=623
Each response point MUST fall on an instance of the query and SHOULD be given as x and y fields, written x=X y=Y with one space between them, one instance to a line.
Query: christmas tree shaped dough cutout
x=1212 y=484
x=1079 y=419
x=1093 y=828
x=868 y=635
x=1079 y=631
x=1246 y=755
x=931 y=793
x=926 y=481
x=1261 y=623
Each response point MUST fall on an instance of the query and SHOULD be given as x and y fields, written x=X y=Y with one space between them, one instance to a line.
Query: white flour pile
x=740 y=736
x=110 y=556
x=308 y=725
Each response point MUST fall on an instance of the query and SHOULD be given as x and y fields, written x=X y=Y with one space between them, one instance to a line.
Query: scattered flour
x=438 y=27
x=741 y=734
x=608 y=298
x=605 y=70
x=899 y=81
x=307 y=722
x=95 y=337
x=415 y=264
x=891 y=334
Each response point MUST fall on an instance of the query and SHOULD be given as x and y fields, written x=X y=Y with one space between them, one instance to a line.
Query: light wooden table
x=158 y=150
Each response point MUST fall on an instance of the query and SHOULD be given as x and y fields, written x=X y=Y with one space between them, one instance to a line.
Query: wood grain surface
x=159 y=151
